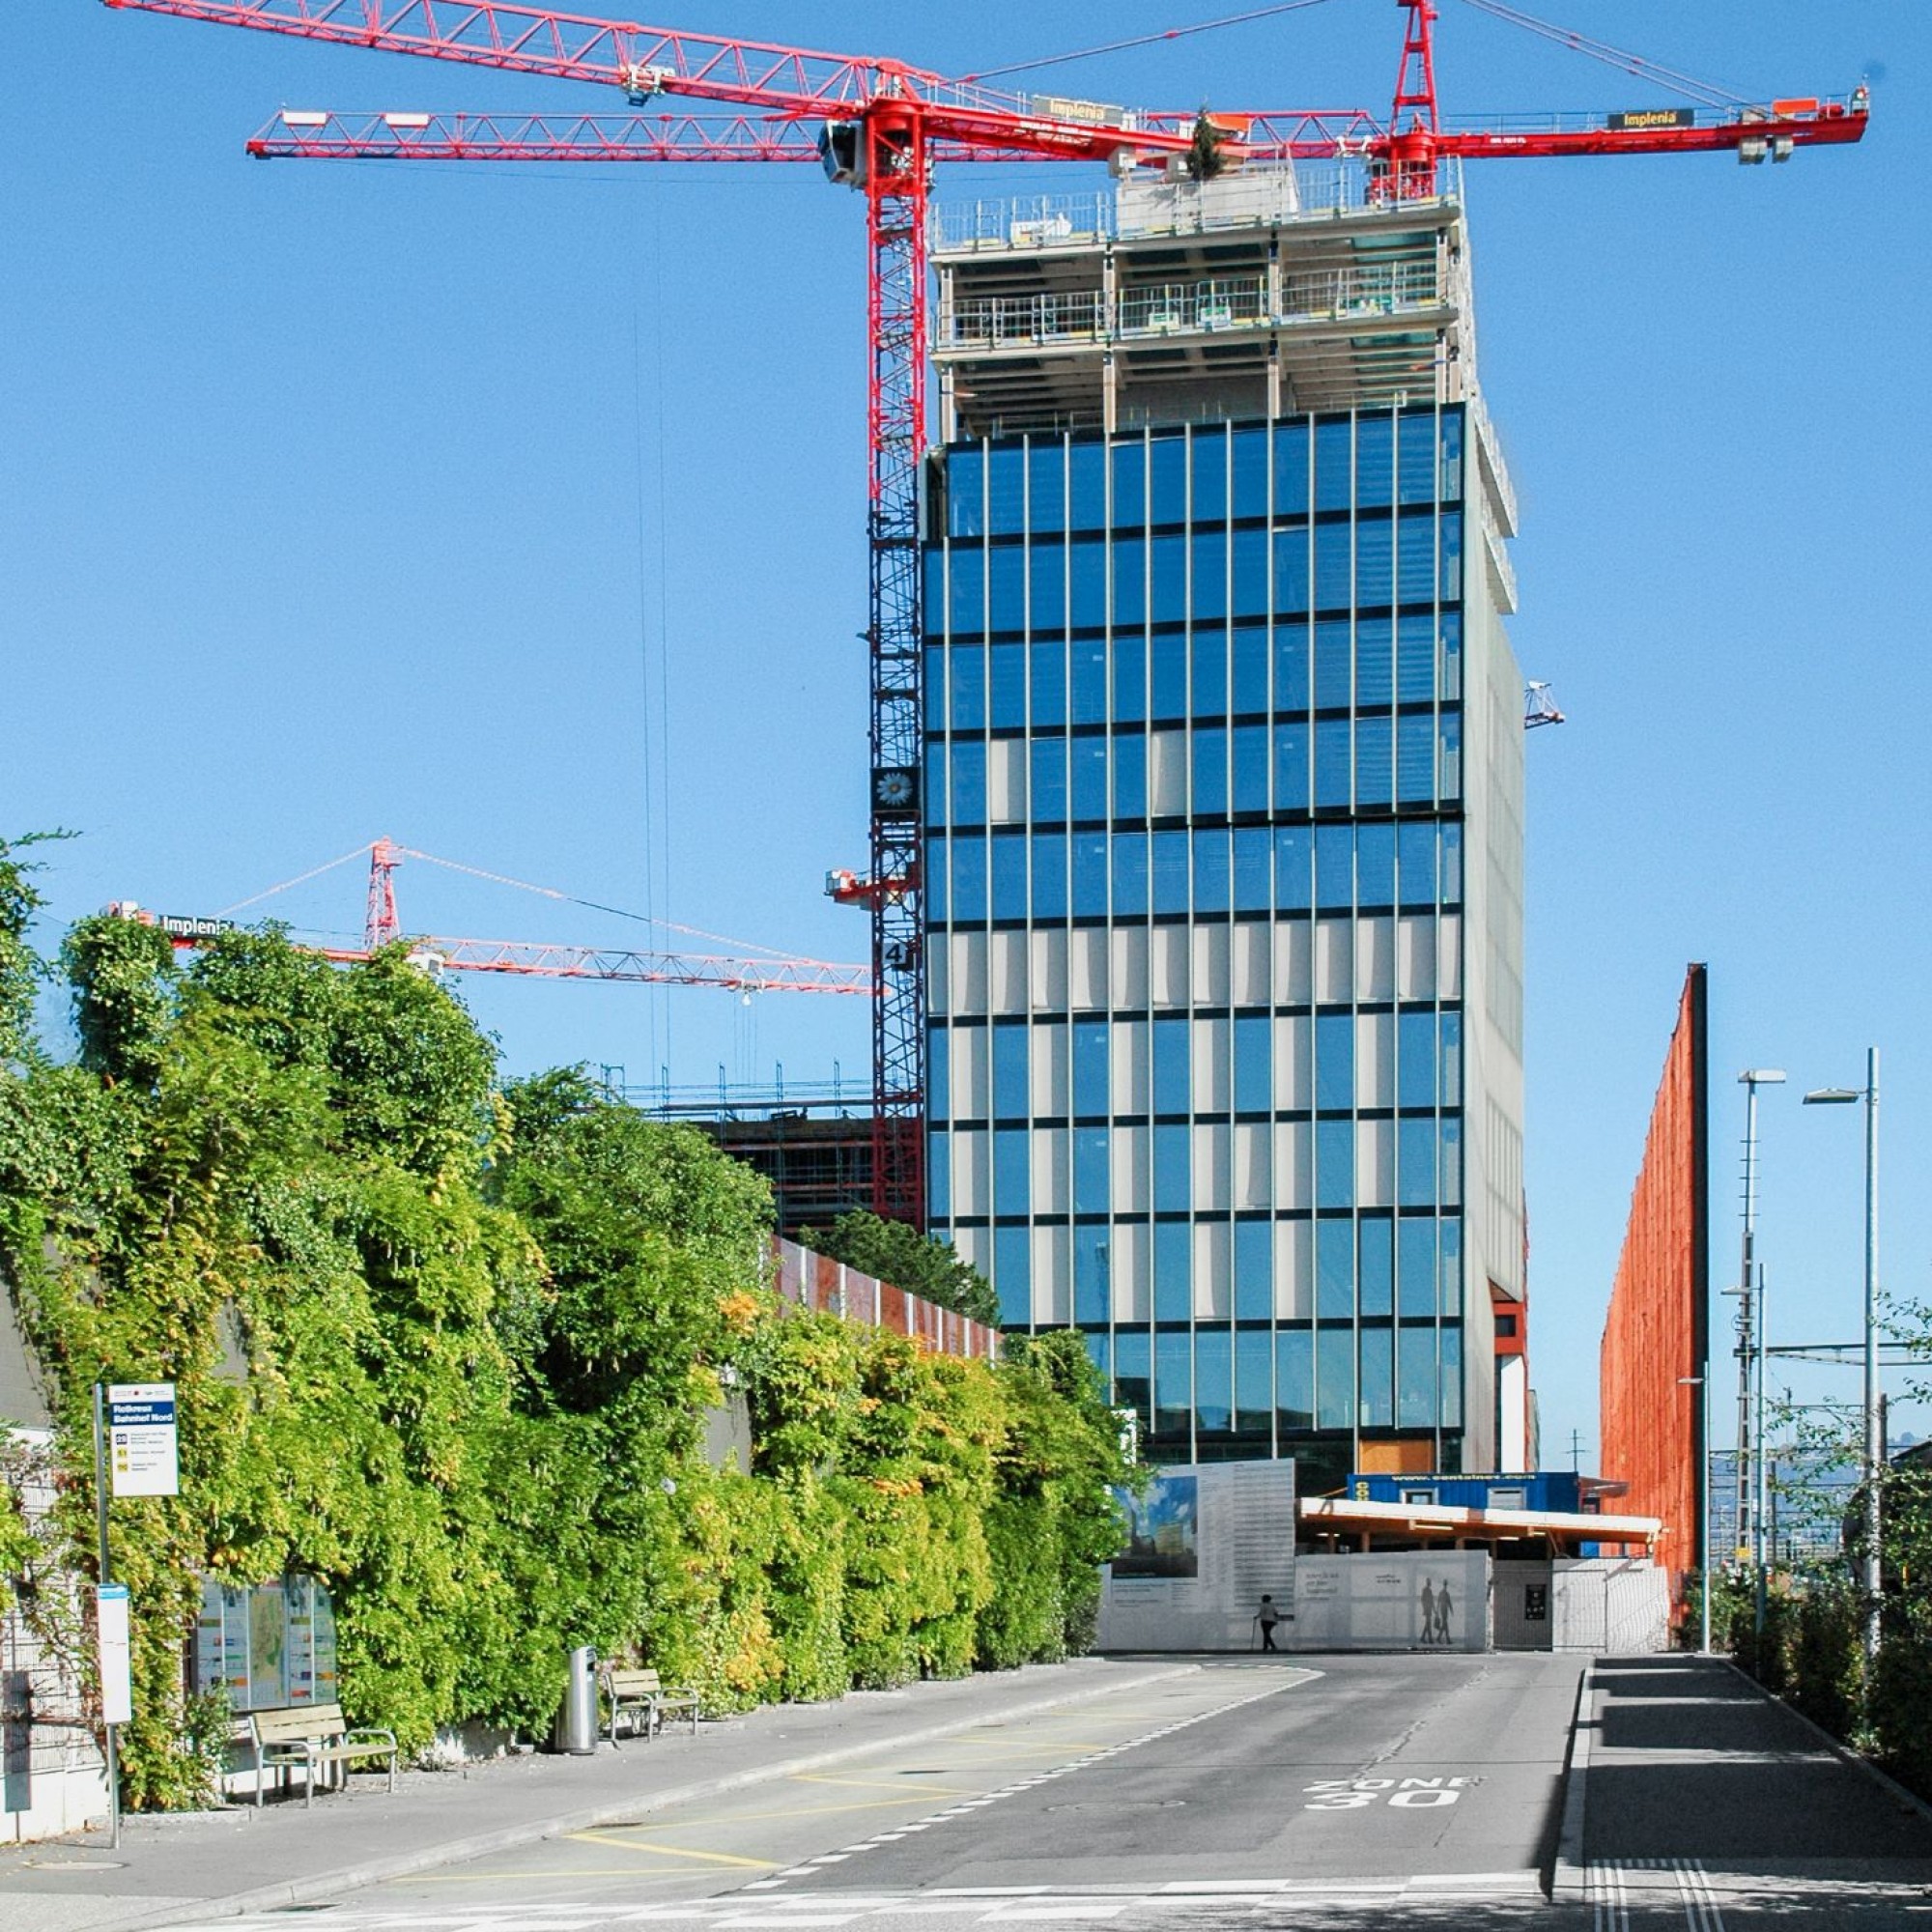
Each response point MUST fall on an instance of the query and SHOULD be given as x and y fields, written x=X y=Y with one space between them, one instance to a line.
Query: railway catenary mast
x=879 y=125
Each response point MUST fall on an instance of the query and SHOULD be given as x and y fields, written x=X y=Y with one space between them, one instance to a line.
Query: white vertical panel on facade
x=1213 y=1271
x=1051 y=1183
x=1213 y=1169
x=1128 y=1151
x=1052 y=1277
x=975 y=1247
x=1449 y=957
x=1292 y=1185
x=1210 y=965
x=1132 y=1086
x=1293 y=1270
x=1049 y=1073
x=1129 y=1271
x=1294 y=976
x=1010 y=973
x=938 y=977
x=1049 y=969
x=1214 y=1078
x=1375 y=1163
x=1416 y=957
x=1293 y=1069
x=972 y=1171
x=1086 y=968
x=969 y=972
x=1252 y=984
x=1006 y=780
x=1166 y=946
x=1131 y=966
x=1374 y=958
x=1334 y=961
x=1254 y=1164
x=971 y=1076
x=1375 y=1060
x=1167 y=774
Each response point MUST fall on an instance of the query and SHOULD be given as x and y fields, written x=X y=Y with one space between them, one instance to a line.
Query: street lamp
x=1840 y=1097
x=1750 y=1469
x=1698 y=1382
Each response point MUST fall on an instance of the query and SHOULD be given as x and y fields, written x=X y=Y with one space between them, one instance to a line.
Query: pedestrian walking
x=1267 y=1616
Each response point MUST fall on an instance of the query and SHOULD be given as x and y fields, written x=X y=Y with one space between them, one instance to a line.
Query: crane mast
x=879 y=125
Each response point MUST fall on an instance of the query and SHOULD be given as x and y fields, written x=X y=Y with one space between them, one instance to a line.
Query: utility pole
x=1746 y=1512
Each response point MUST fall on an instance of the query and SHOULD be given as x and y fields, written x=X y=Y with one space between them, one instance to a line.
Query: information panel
x=1206 y=1544
x=143 y=1446
x=116 y=1682
x=266 y=1646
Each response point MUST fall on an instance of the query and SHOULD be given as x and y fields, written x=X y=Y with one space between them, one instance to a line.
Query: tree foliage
x=451 y=1348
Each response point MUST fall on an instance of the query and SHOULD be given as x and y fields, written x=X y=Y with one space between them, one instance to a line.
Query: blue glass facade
x=1195 y=863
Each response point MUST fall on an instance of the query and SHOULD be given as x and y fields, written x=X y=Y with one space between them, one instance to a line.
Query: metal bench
x=643 y=1696
x=313 y=1736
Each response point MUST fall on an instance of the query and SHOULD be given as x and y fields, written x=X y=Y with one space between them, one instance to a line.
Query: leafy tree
x=910 y=1260
x=21 y=969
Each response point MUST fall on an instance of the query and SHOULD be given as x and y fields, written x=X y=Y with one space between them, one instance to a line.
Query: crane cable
x=1707 y=92
x=1144 y=40
x=740 y=946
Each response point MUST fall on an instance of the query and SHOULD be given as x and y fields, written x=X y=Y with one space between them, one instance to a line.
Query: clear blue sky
x=343 y=501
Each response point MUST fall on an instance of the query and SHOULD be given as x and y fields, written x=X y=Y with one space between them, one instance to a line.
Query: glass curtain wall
x=1195 y=855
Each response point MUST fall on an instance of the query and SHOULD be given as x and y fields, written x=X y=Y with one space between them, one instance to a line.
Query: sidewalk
x=240 y=1860
x=1691 y=1788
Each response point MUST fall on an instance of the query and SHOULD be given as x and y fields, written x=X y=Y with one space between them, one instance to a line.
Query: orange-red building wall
x=1657 y=1332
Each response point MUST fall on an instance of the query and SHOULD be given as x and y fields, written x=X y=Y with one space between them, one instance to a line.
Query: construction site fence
x=814 y=1281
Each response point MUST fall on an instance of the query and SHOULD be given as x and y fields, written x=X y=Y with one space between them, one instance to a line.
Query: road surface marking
x=652 y=1848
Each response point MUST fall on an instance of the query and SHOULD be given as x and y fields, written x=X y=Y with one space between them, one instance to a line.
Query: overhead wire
x=1144 y=40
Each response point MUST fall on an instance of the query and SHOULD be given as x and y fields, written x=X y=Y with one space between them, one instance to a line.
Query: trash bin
x=577 y=1721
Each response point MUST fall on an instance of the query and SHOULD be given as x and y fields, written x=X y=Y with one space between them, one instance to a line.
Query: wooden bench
x=644 y=1695
x=313 y=1736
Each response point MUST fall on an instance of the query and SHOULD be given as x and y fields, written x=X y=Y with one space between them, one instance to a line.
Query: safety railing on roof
x=1148 y=205
x=999 y=321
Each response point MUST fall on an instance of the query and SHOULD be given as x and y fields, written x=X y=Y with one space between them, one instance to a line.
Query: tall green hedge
x=449 y=1346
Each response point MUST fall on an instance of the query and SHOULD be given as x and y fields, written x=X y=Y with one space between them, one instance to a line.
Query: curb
x=1569 y=1879
x=285 y=1893
x=1908 y=1801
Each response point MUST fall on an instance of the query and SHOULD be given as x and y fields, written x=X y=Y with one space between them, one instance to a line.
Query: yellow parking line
x=550 y=1877
x=886 y=1784
x=672 y=1851
x=910 y=1802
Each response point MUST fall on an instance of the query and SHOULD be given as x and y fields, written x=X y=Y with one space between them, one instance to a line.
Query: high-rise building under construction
x=1223 y=805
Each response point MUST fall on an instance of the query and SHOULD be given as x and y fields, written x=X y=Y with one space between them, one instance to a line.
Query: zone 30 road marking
x=1406 y=1794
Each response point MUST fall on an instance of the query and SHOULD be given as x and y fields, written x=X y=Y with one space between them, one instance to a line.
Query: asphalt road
x=1371 y=1790
x=1368 y=1793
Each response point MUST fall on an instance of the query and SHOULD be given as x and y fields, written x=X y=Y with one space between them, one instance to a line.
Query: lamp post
x=1750 y=1291
x=1831 y=1097
x=1700 y=1384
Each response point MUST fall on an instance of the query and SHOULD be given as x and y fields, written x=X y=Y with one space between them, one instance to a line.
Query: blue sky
x=517 y=513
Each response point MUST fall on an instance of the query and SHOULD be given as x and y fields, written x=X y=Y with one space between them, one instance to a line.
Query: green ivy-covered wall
x=448 y=1345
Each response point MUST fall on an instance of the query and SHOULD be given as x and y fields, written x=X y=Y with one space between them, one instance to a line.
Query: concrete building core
x=1223 y=805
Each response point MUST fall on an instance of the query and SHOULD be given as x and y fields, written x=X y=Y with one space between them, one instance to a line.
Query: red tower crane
x=532 y=959
x=880 y=125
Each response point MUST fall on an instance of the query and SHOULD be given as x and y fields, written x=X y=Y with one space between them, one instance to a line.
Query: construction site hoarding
x=808 y=1280
x=1656 y=1340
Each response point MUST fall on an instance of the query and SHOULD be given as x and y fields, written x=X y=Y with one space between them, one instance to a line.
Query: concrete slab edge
x=1890 y=1785
x=402 y=1864
x=1569 y=1878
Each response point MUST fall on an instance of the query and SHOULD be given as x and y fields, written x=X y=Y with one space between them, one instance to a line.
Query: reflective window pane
x=1293 y=1380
